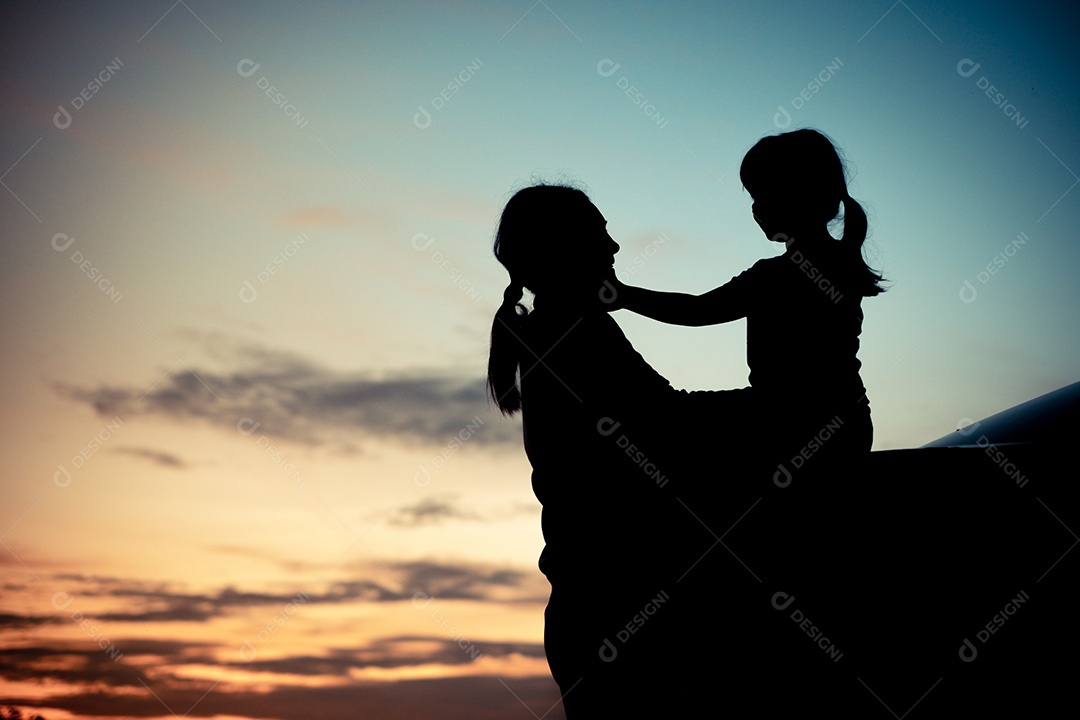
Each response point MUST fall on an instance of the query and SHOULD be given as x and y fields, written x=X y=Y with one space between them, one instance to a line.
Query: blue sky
x=359 y=199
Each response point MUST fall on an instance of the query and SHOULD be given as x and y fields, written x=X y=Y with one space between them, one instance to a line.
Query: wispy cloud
x=438 y=510
x=136 y=601
x=157 y=457
x=430 y=511
x=284 y=395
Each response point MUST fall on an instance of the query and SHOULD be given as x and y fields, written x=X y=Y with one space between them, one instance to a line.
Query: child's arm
x=720 y=305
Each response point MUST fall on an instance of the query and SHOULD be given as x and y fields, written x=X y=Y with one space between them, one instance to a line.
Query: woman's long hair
x=803 y=170
x=533 y=225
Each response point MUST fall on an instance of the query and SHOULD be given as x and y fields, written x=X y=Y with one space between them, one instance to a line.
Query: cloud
x=110 y=672
x=286 y=396
x=468 y=582
x=477 y=697
x=293 y=567
x=437 y=510
x=375 y=582
x=11 y=621
x=390 y=652
x=155 y=456
x=430 y=511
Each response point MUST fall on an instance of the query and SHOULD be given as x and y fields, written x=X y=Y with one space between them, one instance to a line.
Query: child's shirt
x=803 y=324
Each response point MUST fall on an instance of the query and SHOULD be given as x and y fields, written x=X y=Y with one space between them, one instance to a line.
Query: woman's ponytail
x=505 y=355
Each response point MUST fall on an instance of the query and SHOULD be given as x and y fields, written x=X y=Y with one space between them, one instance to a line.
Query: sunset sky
x=251 y=471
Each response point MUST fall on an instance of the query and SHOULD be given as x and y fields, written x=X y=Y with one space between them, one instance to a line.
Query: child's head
x=796 y=179
x=798 y=183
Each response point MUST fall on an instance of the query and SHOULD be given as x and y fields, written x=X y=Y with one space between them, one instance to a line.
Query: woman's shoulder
x=553 y=317
x=558 y=326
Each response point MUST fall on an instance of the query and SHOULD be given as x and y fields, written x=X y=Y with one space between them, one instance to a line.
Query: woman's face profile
x=596 y=245
x=570 y=248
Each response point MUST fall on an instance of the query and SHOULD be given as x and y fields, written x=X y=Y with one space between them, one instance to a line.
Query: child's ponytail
x=855 y=229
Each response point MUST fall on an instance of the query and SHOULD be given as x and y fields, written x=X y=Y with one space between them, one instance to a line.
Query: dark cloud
x=11 y=621
x=460 y=582
x=391 y=652
x=283 y=395
x=85 y=663
x=115 y=679
x=142 y=602
x=480 y=697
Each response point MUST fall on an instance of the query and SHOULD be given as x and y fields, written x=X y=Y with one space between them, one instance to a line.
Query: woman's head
x=798 y=182
x=553 y=241
x=552 y=236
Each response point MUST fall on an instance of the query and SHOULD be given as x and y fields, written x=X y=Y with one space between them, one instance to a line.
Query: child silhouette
x=803 y=308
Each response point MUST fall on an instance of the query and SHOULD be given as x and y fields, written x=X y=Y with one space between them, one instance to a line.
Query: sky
x=251 y=471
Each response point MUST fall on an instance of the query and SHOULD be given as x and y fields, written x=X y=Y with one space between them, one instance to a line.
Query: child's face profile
x=767 y=217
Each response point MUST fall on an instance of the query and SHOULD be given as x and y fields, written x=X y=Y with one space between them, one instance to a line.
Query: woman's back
x=598 y=431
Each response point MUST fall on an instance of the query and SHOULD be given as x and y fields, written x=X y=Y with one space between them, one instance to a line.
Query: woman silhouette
x=601 y=430
x=802 y=308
